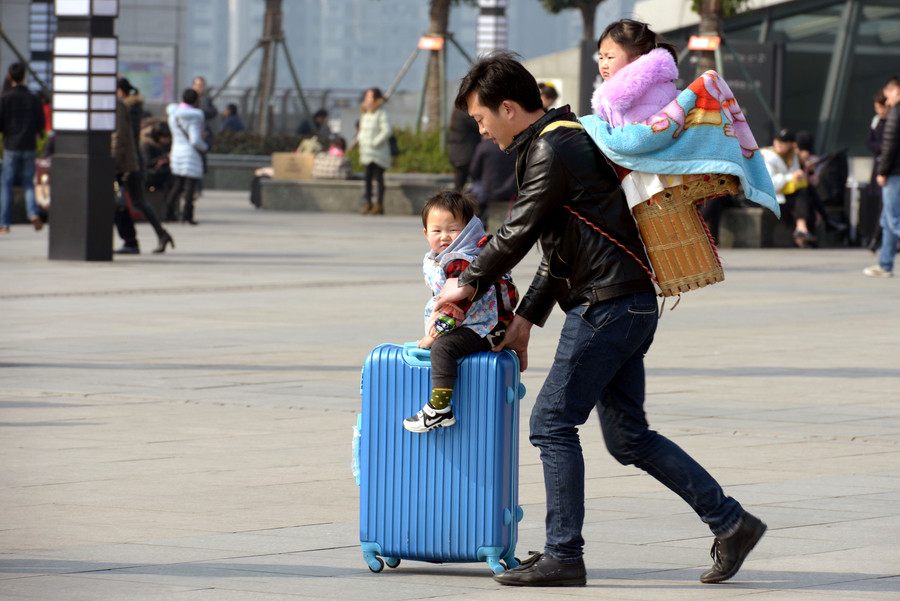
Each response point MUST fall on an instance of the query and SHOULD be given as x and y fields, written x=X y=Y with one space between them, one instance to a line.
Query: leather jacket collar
x=525 y=136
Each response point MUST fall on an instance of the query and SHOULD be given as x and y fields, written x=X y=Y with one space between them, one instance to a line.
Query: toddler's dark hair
x=636 y=38
x=459 y=204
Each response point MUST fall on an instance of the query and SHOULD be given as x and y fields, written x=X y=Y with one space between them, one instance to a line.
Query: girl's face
x=612 y=57
x=369 y=99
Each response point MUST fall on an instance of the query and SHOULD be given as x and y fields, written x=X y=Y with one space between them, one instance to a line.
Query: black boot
x=164 y=241
x=729 y=553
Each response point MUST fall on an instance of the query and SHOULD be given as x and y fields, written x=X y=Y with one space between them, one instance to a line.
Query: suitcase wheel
x=392 y=562
x=376 y=564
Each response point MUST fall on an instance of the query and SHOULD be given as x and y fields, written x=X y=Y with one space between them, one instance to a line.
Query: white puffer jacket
x=374 y=132
x=186 y=123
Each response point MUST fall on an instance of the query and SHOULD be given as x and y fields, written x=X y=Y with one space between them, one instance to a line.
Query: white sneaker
x=876 y=271
x=429 y=418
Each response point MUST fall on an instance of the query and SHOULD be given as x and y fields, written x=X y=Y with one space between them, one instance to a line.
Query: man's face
x=199 y=86
x=892 y=94
x=495 y=125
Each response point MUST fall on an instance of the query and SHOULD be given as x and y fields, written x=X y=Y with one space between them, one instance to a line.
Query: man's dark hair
x=190 y=96
x=233 y=108
x=320 y=114
x=16 y=72
x=497 y=77
x=893 y=82
x=457 y=203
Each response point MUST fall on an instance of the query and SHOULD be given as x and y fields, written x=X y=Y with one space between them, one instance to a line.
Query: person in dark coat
x=888 y=178
x=462 y=138
x=231 y=121
x=870 y=208
x=494 y=173
x=21 y=122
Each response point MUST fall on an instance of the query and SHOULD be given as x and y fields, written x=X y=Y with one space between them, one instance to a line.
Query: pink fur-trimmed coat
x=638 y=90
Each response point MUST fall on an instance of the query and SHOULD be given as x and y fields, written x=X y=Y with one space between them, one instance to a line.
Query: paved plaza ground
x=179 y=426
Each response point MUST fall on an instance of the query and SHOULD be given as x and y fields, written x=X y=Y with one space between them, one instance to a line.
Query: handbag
x=395 y=148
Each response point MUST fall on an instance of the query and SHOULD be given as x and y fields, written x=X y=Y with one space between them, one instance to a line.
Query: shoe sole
x=744 y=552
x=443 y=424
x=536 y=584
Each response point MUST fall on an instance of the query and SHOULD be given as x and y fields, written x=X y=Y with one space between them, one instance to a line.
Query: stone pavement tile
x=81 y=588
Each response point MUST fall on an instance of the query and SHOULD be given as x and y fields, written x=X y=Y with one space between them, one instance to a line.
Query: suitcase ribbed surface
x=443 y=495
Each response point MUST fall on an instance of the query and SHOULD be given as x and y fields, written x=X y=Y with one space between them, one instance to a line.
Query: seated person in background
x=791 y=186
x=231 y=120
x=156 y=141
x=332 y=163
x=318 y=128
x=827 y=176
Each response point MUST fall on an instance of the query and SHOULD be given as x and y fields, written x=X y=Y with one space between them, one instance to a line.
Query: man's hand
x=881 y=180
x=451 y=293
x=516 y=339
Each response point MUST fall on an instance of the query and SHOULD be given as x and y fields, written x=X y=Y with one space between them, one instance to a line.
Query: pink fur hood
x=638 y=90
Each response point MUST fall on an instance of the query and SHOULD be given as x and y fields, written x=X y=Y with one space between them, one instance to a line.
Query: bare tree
x=439 y=20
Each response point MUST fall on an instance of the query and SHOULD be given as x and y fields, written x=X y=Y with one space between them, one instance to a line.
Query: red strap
x=614 y=241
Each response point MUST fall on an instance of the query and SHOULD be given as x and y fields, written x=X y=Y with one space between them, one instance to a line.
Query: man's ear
x=508 y=109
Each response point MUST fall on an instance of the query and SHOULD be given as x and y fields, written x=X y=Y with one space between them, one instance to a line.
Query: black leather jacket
x=579 y=265
x=889 y=159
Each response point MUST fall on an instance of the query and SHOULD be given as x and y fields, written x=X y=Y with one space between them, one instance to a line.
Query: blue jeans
x=21 y=162
x=600 y=362
x=890 y=222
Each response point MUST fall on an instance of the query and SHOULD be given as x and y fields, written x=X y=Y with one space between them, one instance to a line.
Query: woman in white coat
x=375 y=132
x=186 y=122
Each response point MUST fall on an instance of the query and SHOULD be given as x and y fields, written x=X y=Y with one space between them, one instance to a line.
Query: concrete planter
x=404 y=194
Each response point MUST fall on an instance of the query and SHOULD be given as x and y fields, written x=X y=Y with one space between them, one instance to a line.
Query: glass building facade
x=827 y=60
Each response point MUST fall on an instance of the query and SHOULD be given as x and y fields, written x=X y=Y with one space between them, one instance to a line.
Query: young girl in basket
x=637 y=67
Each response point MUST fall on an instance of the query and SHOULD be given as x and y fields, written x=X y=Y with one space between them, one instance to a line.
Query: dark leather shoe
x=729 y=553
x=543 y=570
x=128 y=250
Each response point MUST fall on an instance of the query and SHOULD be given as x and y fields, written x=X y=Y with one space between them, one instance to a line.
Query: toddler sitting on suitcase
x=456 y=235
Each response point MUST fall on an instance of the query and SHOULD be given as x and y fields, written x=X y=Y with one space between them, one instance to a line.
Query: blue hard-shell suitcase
x=448 y=495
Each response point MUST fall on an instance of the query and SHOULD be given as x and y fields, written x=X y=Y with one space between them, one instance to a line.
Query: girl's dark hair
x=457 y=203
x=190 y=96
x=376 y=94
x=497 y=77
x=636 y=38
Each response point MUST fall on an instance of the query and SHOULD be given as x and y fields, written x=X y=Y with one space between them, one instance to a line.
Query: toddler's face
x=612 y=57
x=443 y=227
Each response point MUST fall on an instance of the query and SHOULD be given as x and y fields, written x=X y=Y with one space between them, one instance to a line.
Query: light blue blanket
x=702 y=131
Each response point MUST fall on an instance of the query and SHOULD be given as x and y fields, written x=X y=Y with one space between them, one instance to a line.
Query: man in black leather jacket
x=593 y=266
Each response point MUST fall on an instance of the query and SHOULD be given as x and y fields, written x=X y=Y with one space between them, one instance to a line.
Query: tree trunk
x=439 y=20
x=589 y=15
x=710 y=24
x=271 y=31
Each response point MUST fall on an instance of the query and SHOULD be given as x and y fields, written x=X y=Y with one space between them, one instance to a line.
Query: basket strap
x=591 y=224
x=594 y=227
